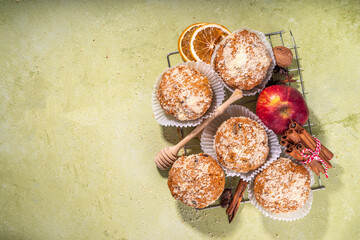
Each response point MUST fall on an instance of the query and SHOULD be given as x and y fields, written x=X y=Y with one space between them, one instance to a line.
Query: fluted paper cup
x=290 y=216
x=208 y=140
x=268 y=46
x=217 y=86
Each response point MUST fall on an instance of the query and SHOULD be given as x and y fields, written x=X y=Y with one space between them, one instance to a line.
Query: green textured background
x=78 y=138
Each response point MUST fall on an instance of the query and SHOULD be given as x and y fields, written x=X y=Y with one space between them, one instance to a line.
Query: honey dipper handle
x=237 y=94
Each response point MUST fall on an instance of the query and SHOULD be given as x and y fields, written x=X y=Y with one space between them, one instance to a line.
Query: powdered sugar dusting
x=242 y=60
x=282 y=187
x=185 y=93
x=241 y=144
x=196 y=180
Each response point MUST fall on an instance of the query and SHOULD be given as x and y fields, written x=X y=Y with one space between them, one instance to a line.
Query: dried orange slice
x=204 y=40
x=184 y=41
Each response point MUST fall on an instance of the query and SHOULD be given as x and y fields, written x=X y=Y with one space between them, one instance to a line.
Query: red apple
x=277 y=105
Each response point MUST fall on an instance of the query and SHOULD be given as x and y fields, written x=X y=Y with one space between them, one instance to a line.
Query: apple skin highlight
x=277 y=105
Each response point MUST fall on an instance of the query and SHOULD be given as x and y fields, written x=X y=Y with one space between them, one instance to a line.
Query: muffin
x=184 y=93
x=242 y=60
x=282 y=187
x=241 y=144
x=196 y=180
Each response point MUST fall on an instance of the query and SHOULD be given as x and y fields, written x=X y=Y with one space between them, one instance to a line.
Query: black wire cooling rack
x=278 y=38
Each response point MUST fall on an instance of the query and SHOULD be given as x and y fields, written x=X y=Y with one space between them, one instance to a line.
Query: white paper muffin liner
x=208 y=140
x=268 y=46
x=218 y=96
x=290 y=216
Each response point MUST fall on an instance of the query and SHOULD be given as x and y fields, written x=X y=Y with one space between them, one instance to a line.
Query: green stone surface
x=78 y=138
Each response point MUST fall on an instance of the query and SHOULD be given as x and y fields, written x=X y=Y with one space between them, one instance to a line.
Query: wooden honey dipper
x=167 y=156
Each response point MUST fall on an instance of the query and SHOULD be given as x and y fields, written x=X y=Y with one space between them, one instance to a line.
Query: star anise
x=226 y=197
x=280 y=70
x=276 y=80
x=288 y=78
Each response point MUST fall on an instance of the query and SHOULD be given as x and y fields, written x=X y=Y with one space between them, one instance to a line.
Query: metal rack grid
x=297 y=70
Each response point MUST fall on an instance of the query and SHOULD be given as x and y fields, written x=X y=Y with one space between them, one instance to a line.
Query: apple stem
x=287 y=113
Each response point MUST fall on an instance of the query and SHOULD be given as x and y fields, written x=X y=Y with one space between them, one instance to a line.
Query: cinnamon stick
x=313 y=168
x=300 y=147
x=329 y=155
x=295 y=126
x=284 y=143
x=285 y=138
x=236 y=200
x=294 y=136
x=289 y=150
x=327 y=152
x=296 y=154
x=310 y=142
x=318 y=165
x=296 y=139
x=292 y=152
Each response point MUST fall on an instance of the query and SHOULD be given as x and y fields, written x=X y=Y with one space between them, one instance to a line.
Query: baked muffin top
x=283 y=186
x=184 y=93
x=241 y=144
x=196 y=180
x=242 y=60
